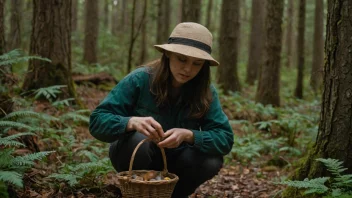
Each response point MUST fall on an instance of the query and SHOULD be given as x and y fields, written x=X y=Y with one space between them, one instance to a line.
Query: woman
x=172 y=102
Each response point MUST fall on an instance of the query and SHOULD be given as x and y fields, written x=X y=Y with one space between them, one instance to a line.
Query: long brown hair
x=196 y=92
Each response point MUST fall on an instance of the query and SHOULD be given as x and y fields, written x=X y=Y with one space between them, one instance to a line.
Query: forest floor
x=235 y=180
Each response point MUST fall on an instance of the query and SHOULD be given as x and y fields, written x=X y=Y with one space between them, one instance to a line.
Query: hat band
x=190 y=42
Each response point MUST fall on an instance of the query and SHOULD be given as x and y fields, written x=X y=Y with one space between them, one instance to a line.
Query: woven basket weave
x=152 y=189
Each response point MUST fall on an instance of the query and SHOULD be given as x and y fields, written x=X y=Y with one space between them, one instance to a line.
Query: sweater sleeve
x=216 y=135
x=109 y=120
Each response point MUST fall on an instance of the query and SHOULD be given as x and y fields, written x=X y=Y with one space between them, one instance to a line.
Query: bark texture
x=227 y=71
x=300 y=49
x=268 y=91
x=14 y=38
x=51 y=38
x=316 y=77
x=6 y=104
x=256 y=45
x=91 y=32
x=289 y=34
x=191 y=10
x=74 y=18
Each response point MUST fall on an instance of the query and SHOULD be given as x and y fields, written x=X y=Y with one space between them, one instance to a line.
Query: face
x=183 y=68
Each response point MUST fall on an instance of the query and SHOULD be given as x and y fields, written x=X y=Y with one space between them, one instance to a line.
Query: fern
x=341 y=185
x=74 y=116
x=314 y=185
x=69 y=178
x=29 y=114
x=333 y=165
x=65 y=102
x=15 y=56
x=91 y=156
x=48 y=92
x=16 y=125
x=11 y=177
x=30 y=158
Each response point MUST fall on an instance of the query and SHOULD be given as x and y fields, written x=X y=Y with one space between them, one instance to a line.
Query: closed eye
x=182 y=59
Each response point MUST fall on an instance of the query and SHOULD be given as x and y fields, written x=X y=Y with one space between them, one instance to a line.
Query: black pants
x=191 y=166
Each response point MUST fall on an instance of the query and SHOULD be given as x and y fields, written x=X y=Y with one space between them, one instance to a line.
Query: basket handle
x=135 y=151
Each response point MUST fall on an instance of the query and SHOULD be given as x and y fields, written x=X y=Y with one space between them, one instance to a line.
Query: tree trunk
x=179 y=11
x=6 y=103
x=268 y=91
x=318 y=49
x=167 y=13
x=335 y=128
x=14 y=39
x=289 y=34
x=74 y=18
x=2 y=27
x=91 y=32
x=144 y=51
x=227 y=72
x=256 y=49
x=300 y=49
x=209 y=12
x=51 y=38
x=163 y=21
x=191 y=10
x=160 y=23
x=134 y=33
x=115 y=18
x=123 y=17
x=106 y=15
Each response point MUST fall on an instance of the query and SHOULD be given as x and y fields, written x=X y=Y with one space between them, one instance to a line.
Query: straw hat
x=190 y=39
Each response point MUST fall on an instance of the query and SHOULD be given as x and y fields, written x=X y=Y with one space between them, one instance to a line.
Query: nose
x=187 y=67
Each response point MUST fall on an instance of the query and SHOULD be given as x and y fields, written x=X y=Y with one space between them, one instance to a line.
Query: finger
x=168 y=133
x=158 y=128
x=145 y=132
x=152 y=132
x=168 y=141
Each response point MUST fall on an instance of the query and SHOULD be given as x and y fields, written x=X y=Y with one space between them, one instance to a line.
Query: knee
x=211 y=166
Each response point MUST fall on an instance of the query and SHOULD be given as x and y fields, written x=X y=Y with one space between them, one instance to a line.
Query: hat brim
x=187 y=51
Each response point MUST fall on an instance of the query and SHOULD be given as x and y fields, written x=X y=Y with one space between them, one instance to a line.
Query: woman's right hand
x=147 y=126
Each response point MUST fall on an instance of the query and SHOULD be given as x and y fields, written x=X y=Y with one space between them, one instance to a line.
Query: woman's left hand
x=174 y=137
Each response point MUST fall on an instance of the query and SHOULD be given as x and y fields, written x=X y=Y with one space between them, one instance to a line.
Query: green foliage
x=85 y=173
x=49 y=93
x=248 y=147
x=341 y=185
x=13 y=167
x=16 y=56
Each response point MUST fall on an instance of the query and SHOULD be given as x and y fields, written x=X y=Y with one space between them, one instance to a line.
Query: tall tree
x=209 y=12
x=268 y=91
x=115 y=18
x=5 y=70
x=318 y=49
x=163 y=21
x=123 y=15
x=74 y=19
x=144 y=52
x=106 y=14
x=14 y=39
x=300 y=49
x=2 y=27
x=191 y=10
x=289 y=33
x=91 y=32
x=134 y=33
x=51 y=38
x=335 y=127
x=256 y=43
x=228 y=41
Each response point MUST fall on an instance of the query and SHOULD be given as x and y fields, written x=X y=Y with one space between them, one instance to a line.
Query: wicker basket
x=153 y=189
